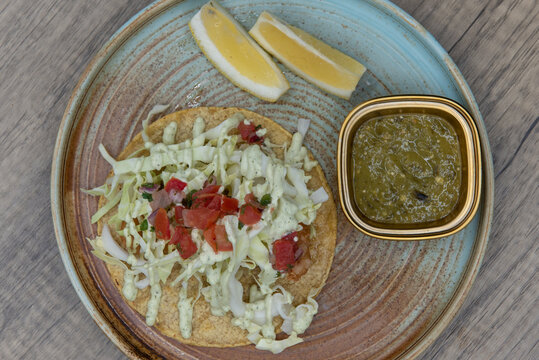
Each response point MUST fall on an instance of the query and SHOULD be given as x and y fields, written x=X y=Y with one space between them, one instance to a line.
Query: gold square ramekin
x=470 y=150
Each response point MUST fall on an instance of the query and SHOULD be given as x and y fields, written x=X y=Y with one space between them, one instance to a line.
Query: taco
x=219 y=227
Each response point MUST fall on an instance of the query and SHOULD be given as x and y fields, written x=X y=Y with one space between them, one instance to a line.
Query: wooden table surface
x=45 y=46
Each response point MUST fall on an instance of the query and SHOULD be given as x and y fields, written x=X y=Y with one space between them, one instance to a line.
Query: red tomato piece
x=175 y=184
x=215 y=203
x=200 y=218
x=229 y=206
x=248 y=133
x=203 y=197
x=284 y=251
x=252 y=200
x=209 y=236
x=249 y=215
x=184 y=243
x=202 y=200
x=221 y=239
x=210 y=189
x=255 y=139
x=178 y=214
x=162 y=228
x=246 y=129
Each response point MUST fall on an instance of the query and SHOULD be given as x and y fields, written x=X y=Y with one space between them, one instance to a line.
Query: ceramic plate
x=382 y=299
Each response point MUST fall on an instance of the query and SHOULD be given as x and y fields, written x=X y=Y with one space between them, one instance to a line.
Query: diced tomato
x=302 y=254
x=216 y=237
x=249 y=215
x=229 y=206
x=200 y=218
x=183 y=241
x=252 y=200
x=162 y=229
x=249 y=198
x=284 y=251
x=215 y=203
x=255 y=139
x=209 y=236
x=202 y=200
x=203 y=197
x=248 y=133
x=210 y=189
x=221 y=239
x=175 y=184
x=246 y=129
x=178 y=214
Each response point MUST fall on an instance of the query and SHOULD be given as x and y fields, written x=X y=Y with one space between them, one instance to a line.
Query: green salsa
x=407 y=168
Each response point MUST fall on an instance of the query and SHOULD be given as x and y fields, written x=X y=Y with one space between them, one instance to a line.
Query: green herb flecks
x=266 y=200
x=144 y=225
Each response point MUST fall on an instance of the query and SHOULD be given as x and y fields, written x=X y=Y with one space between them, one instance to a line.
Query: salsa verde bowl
x=469 y=192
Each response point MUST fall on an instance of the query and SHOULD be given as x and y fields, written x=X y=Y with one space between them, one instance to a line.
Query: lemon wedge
x=238 y=57
x=308 y=57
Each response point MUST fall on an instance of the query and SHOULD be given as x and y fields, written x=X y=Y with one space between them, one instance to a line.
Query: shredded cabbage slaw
x=240 y=168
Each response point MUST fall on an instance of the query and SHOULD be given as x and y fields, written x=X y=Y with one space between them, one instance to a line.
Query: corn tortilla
x=207 y=329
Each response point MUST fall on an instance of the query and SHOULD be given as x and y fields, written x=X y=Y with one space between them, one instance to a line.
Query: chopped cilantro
x=289 y=266
x=258 y=127
x=147 y=196
x=240 y=225
x=152 y=229
x=266 y=200
x=144 y=225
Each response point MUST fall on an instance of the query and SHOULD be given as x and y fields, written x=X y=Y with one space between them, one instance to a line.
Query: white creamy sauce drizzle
x=241 y=169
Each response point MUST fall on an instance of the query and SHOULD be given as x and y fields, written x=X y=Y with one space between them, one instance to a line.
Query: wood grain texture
x=45 y=46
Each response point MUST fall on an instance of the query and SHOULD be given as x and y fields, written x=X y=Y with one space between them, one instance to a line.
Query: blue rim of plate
x=139 y=20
